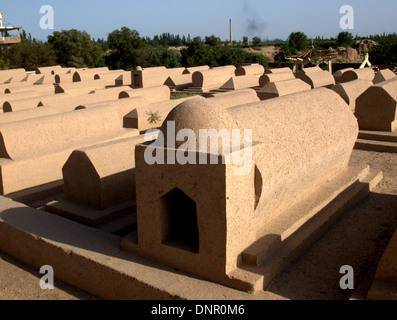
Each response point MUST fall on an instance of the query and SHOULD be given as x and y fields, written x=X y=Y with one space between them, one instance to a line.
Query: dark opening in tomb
x=137 y=80
x=179 y=221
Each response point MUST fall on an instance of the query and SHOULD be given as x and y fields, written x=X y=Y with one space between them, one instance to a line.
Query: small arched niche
x=179 y=224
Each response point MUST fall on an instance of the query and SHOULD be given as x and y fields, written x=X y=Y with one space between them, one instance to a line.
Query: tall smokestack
x=231 y=32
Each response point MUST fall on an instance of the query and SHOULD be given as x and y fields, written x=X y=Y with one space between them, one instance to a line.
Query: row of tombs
x=73 y=143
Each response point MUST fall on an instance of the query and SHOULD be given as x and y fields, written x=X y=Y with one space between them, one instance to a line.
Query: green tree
x=103 y=43
x=386 y=51
x=297 y=41
x=165 y=40
x=124 y=45
x=245 y=41
x=197 y=54
x=284 y=51
x=256 y=41
x=156 y=57
x=156 y=41
x=75 y=48
x=345 y=39
x=212 y=40
x=30 y=54
x=4 y=63
x=194 y=54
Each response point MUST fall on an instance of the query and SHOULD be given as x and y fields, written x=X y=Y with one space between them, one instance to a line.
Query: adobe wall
x=384 y=75
x=111 y=93
x=33 y=78
x=351 y=90
x=88 y=74
x=31 y=113
x=11 y=105
x=235 y=98
x=317 y=79
x=54 y=132
x=212 y=78
x=275 y=77
x=49 y=70
x=66 y=101
x=110 y=77
x=282 y=88
x=179 y=82
x=338 y=74
x=103 y=175
x=252 y=69
x=68 y=70
x=5 y=86
x=124 y=79
x=175 y=71
x=80 y=88
x=310 y=70
x=151 y=94
x=15 y=74
x=149 y=77
x=130 y=103
x=376 y=108
x=43 y=89
x=45 y=79
x=242 y=82
x=366 y=74
x=17 y=96
x=33 y=151
x=279 y=70
x=191 y=70
x=63 y=78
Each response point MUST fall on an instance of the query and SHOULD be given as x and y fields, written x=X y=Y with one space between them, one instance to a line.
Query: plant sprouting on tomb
x=154 y=117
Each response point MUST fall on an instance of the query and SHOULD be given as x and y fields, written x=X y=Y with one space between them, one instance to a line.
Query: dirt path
x=358 y=239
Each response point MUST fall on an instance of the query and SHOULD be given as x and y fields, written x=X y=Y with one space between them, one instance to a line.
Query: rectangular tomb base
x=283 y=239
x=33 y=194
x=92 y=259
x=379 y=141
x=89 y=216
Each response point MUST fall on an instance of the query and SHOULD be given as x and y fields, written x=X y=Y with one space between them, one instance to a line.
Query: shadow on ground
x=358 y=239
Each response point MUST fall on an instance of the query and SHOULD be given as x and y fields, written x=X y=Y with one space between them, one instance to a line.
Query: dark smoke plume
x=254 y=24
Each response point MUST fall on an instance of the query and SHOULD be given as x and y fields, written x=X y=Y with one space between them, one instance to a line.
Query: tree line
x=126 y=49
x=123 y=49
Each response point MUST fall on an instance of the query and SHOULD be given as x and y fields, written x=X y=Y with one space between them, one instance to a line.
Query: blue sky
x=264 y=18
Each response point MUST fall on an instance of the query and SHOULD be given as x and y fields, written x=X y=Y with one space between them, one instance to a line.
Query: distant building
x=6 y=33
